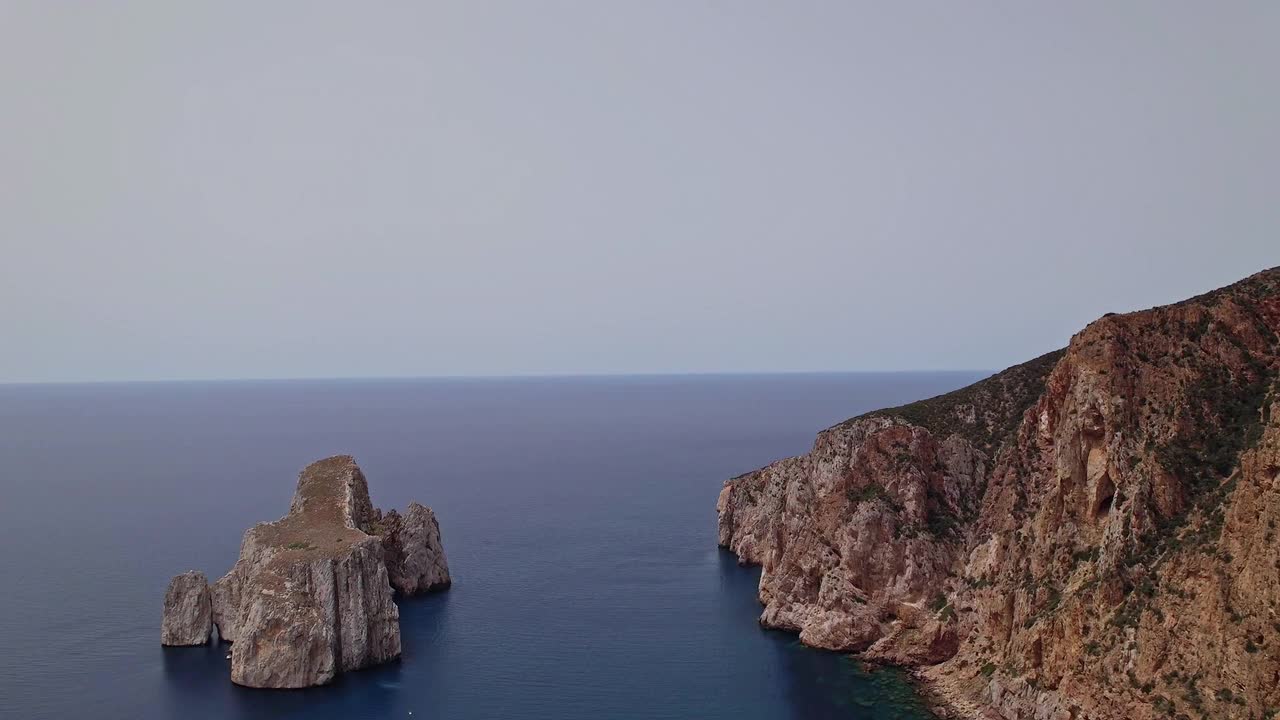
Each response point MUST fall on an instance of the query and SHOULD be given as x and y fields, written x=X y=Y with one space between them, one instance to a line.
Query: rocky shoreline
x=947 y=698
x=311 y=594
x=1088 y=535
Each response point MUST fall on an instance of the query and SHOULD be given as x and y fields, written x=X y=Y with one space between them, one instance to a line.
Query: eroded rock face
x=864 y=529
x=415 y=557
x=188 y=618
x=1092 y=534
x=311 y=595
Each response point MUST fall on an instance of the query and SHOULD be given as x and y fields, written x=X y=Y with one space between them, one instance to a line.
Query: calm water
x=578 y=515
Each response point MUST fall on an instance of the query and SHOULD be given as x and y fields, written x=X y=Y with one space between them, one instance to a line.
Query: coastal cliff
x=311 y=594
x=1091 y=534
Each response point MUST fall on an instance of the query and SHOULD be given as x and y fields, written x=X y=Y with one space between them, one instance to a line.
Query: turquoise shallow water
x=578 y=514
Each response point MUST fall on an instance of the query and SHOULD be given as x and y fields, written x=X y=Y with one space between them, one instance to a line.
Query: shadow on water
x=820 y=684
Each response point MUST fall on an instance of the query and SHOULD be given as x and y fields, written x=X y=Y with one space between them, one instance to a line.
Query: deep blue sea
x=578 y=515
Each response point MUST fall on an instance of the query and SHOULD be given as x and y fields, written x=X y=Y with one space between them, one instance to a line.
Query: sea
x=577 y=513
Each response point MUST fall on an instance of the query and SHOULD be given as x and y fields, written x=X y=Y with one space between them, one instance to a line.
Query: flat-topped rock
x=311 y=594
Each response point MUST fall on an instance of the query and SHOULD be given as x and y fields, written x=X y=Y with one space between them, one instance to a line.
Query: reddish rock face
x=311 y=594
x=1090 y=534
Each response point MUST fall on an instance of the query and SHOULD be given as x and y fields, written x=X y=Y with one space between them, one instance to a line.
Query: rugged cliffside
x=1091 y=534
x=311 y=594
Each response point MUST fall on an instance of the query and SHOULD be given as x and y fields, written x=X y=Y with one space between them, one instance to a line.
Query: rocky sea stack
x=1092 y=534
x=311 y=594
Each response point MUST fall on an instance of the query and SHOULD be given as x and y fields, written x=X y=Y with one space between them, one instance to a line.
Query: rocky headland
x=1091 y=534
x=311 y=594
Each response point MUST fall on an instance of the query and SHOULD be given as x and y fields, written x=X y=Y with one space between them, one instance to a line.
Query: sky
x=206 y=190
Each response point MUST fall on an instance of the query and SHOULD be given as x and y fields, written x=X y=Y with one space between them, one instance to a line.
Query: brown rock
x=310 y=595
x=1092 y=534
x=415 y=558
x=187 y=618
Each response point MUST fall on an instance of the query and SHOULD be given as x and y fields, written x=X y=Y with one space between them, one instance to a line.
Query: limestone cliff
x=415 y=558
x=187 y=616
x=311 y=594
x=1091 y=534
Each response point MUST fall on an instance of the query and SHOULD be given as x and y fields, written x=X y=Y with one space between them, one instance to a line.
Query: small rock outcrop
x=187 y=610
x=1091 y=535
x=311 y=594
x=415 y=558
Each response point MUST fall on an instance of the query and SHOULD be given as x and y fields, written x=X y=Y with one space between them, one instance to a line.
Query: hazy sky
x=244 y=189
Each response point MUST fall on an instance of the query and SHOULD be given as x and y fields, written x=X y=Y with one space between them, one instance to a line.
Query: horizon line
x=491 y=377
